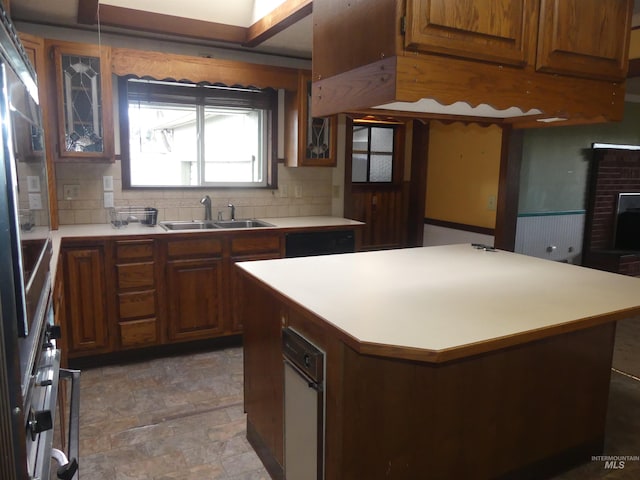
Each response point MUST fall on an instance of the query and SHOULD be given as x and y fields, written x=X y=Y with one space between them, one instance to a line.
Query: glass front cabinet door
x=84 y=96
x=311 y=141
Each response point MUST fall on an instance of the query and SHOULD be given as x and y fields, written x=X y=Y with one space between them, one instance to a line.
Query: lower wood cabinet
x=194 y=297
x=136 y=297
x=131 y=292
x=194 y=288
x=86 y=322
x=246 y=248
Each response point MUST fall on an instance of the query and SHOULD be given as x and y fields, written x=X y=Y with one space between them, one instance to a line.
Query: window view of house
x=189 y=135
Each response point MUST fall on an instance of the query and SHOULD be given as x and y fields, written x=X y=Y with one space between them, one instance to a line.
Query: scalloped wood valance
x=169 y=66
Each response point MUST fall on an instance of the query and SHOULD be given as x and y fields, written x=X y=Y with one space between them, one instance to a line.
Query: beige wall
x=463 y=173
x=320 y=189
x=634 y=45
x=313 y=184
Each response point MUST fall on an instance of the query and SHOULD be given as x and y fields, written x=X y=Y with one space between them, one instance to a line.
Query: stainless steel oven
x=29 y=357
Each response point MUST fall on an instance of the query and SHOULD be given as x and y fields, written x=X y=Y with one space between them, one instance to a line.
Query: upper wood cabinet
x=310 y=141
x=587 y=38
x=572 y=37
x=494 y=30
x=83 y=89
x=35 y=49
x=548 y=58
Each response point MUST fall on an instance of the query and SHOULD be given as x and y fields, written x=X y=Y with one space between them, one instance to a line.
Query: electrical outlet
x=35 y=201
x=108 y=199
x=284 y=190
x=491 y=202
x=71 y=191
x=297 y=190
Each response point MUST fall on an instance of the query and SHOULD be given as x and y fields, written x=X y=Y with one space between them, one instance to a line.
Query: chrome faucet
x=233 y=210
x=206 y=201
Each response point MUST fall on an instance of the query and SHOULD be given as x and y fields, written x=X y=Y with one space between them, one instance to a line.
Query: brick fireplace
x=612 y=171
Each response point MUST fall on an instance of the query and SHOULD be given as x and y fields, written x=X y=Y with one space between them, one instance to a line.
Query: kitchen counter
x=448 y=302
x=135 y=229
x=448 y=362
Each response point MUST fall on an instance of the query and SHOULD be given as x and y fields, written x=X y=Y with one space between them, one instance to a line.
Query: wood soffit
x=167 y=66
x=287 y=14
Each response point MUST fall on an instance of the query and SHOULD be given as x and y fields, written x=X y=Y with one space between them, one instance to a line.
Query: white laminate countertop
x=108 y=230
x=436 y=300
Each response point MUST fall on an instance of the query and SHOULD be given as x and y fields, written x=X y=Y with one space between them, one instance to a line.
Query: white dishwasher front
x=303 y=408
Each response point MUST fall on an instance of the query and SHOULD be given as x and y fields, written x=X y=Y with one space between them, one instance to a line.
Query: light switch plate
x=107 y=183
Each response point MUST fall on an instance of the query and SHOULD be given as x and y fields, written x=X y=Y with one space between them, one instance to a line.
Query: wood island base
x=523 y=411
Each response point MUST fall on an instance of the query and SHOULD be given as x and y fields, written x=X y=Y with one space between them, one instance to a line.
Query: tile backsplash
x=301 y=192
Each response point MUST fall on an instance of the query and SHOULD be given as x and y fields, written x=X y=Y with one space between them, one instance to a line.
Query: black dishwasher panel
x=303 y=244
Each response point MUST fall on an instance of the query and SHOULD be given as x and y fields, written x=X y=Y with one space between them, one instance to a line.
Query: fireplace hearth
x=612 y=224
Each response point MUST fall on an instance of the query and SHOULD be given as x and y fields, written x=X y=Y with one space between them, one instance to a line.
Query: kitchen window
x=192 y=135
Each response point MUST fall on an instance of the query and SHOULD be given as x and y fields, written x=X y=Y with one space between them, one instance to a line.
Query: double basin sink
x=210 y=224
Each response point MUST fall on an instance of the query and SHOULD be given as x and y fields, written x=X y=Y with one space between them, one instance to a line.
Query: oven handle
x=74 y=413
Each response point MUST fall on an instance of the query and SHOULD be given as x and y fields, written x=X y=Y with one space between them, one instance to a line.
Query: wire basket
x=123 y=216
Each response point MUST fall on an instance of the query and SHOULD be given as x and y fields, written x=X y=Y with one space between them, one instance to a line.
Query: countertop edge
x=81 y=232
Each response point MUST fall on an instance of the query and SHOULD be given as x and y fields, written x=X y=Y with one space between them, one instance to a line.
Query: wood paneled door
x=374 y=187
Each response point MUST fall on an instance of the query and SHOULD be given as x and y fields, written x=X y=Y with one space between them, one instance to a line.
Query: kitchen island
x=441 y=362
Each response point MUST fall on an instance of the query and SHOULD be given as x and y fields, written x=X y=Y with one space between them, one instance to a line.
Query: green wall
x=555 y=161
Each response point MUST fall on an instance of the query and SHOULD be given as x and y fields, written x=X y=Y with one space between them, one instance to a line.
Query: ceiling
x=280 y=27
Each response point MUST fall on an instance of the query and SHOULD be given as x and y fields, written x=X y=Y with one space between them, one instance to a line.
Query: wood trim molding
x=170 y=25
x=161 y=66
x=87 y=12
x=418 y=184
x=508 y=189
x=282 y=17
x=634 y=68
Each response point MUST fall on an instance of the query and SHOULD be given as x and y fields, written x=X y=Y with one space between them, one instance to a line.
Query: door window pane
x=381 y=168
x=359 y=168
x=381 y=139
x=372 y=154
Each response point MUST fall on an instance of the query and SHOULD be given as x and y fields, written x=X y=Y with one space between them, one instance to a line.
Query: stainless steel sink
x=244 y=223
x=189 y=225
x=211 y=225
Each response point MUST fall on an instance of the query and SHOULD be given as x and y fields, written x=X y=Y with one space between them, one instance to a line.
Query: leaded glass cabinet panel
x=84 y=96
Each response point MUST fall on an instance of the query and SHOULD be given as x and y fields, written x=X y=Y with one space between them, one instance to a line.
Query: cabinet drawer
x=255 y=244
x=194 y=247
x=139 y=333
x=135 y=249
x=135 y=275
x=137 y=304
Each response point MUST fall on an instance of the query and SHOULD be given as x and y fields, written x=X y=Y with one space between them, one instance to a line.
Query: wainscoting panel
x=551 y=235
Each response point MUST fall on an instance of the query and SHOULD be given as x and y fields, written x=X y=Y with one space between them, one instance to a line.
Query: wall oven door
x=29 y=358
x=304 y=370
